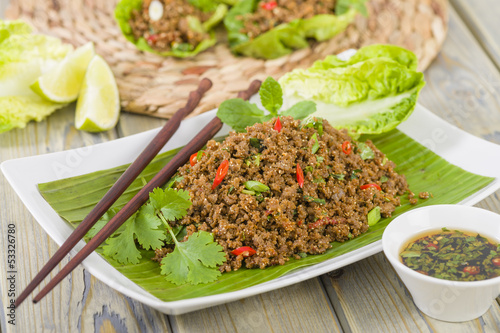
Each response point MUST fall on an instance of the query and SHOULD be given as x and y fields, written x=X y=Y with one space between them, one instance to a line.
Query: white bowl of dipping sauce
x=453 y=301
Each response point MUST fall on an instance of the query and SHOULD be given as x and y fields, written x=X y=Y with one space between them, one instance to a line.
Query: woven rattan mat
x=157 y=86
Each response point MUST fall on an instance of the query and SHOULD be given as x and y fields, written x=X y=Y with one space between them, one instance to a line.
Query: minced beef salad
x=172 y=30
x=263 y=212
x=270 y=14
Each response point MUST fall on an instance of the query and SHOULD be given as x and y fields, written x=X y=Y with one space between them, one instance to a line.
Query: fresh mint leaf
x=271 y=95
x=239 y=114
x=194 y=260
x=300 y=110
x=172 y=204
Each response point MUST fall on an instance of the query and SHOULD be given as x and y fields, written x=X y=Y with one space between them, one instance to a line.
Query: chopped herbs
x=354 y=172
x=315 y=145
x=253 y=185
x=383 y=179
x=256 y=143
x=365 y=151
x=308 y=198
x=339 y=176
x=373 y=216
x=453 y=255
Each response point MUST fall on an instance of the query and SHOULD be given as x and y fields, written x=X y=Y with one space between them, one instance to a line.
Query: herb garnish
x=240 y=114
x=315 y=145
x=193 y=261
x=365 y=151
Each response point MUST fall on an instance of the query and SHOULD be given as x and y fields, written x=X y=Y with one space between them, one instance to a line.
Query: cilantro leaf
x=122 y=248
x=300 y=110
x=102 y=222
x=146 y=228
x=194 y=260
x=172 y=204
x=271 y=95
x=239 y=114
x=179 y=232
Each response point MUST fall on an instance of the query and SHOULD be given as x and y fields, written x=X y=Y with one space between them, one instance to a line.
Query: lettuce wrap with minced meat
x=288 y=33
x=212 y=11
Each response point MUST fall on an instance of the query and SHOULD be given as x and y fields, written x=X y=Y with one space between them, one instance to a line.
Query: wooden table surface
x=463 y=87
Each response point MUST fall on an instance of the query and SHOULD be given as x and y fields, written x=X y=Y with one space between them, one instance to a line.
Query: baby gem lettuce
x=371 y=93
x=23 y=58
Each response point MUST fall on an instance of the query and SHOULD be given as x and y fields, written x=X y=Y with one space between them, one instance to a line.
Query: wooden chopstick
x=143 y=195
x=119 y=187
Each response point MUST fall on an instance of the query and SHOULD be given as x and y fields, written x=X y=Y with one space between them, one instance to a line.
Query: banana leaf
x=73 y=198
x=286 y=37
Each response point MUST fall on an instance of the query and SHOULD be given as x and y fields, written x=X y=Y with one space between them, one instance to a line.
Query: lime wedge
x=98 y=106
x=63 y=82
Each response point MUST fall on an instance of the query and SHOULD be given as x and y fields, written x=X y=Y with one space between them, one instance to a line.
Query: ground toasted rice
x=283 y=222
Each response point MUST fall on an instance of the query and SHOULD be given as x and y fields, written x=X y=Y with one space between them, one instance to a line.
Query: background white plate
x=456 y=146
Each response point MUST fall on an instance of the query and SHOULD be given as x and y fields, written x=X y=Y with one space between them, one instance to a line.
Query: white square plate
x=454 y=145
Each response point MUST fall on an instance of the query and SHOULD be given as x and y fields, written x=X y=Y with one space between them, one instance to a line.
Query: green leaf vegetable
x=193 y=261
x=240 y=114
x=373 y=216
x=371 y=93
x=286 y=37
x=123 y=13
x=23 y=58
x=365 y=151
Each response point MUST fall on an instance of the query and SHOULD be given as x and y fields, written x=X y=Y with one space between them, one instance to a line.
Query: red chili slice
x=432 y=245
x=277 y=125
x=193 y=159
x=346 y=147
x=364 y=187
x=221 y=173
x=268 y=5
x=495 y=261
x=300 y=176
x=472 y=270
x=245 y=251
x=152 y=38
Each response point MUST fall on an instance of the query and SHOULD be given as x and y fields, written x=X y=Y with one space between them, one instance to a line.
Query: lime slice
x=98 y=105
x=63 y=82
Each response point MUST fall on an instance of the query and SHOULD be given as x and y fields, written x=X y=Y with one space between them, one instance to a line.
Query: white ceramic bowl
x=446 y=300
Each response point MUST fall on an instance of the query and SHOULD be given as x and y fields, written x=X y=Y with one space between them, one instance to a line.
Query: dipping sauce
x=453 y=255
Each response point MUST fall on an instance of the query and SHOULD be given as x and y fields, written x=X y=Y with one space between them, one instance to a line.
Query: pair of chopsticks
x=123 y=183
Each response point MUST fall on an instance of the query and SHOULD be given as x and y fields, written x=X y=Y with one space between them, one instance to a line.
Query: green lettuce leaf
x=123 y=12
x=284 y=38
x=23 y=58
x=371 y=93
